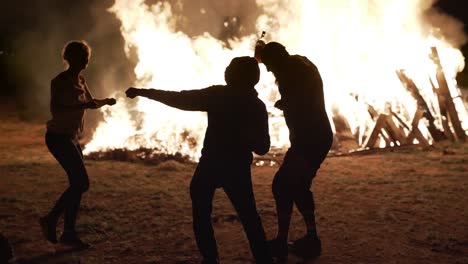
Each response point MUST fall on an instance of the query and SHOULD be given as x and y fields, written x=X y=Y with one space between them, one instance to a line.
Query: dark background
x=32 y=32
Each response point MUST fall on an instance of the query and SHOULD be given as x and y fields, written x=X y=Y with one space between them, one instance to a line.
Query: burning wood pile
x=403 y=99
x=391 y=129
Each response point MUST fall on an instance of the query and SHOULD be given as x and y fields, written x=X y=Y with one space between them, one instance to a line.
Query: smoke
x=49 y=26
x=38 y=53
x=451 y=29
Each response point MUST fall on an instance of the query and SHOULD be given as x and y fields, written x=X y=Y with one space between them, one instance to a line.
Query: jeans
x=235 y=179
x=68 y=153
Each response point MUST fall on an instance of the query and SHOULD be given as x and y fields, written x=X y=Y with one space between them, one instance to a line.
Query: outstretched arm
x=191 y=100
x=96 y=103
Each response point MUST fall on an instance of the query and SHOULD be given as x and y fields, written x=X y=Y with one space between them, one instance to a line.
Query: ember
x=144 y=155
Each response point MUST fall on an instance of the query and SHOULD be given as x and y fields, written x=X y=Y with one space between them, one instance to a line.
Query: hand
x=132 y=92
x=110 y=101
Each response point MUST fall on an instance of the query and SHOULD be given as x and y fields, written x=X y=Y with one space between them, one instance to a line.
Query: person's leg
x=305 y=170
x=284 y=205
x=303 y=196
x=79 y=184
x=283 y=199
x=201 y=192
x=240 y=192
x=69 y=156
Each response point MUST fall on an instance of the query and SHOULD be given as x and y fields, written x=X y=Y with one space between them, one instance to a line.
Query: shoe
x=278 y=250
x=307 y=247
x=70 y=239
x=48 y=228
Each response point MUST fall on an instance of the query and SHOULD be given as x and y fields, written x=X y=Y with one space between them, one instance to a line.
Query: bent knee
x=80 y=187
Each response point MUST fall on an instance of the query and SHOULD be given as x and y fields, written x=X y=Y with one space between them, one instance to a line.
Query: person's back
x=237 y=123
x=303 y=103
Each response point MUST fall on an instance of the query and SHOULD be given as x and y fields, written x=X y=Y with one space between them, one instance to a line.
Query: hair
x=242 y=70
x=272 y=52
x=74 y=48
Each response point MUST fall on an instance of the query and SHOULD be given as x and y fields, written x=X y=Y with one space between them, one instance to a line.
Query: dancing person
x=70 y=97
x=310 y=134
x=237 y=125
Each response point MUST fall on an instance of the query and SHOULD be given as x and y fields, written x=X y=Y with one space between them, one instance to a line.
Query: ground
x=402 y=206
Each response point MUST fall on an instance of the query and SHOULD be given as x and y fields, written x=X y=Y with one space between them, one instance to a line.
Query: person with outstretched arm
x=237 y=126
x=70 y=97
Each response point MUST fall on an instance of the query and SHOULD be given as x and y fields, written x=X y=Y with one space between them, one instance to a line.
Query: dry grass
x=406 y=206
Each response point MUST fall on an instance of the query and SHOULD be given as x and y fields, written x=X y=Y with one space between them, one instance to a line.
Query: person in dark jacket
x=237 y=125
x=310 y=134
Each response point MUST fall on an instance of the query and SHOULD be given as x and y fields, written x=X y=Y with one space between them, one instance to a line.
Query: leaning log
x=436 y=134
x=448 y=100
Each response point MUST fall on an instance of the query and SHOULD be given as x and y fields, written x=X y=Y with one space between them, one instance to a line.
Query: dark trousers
x=68 y=153
x=236 y=181
x=292 y=182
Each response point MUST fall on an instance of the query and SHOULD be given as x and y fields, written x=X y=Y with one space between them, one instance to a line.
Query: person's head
x=242 y=71
x=77 y=54
x=273 y=56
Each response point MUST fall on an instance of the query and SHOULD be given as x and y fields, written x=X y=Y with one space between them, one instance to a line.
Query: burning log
x=415 y=132
x=443 y=112
x=436 y=134
x=446 y=99
x=379 y=124
x=391 y=133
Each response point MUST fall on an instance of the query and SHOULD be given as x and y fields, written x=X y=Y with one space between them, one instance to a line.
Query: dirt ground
x=401 y=206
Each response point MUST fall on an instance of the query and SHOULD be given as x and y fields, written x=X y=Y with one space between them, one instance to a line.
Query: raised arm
x=189 y=100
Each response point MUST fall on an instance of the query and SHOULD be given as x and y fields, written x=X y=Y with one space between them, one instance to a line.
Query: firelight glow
x=357 y=45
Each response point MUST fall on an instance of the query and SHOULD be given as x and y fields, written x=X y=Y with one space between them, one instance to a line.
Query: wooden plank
x=443 y=114
x=444 y=90
x=415 y=132
x=372 y=139
x=414 y=91
x=397 y=132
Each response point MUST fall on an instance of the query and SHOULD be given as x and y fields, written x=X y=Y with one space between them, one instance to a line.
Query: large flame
x=357 y=45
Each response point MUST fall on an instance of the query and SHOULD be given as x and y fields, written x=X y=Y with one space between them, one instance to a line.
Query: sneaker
x=48 y=228
x=308 y=246
x=70 y=239
x=278 y=250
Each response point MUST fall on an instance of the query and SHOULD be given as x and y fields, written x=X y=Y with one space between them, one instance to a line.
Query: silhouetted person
x=70 y=98
x=310 y=134
x=237 y=125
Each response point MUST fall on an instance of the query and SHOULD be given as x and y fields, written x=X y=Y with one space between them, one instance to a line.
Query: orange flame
x=358 y=46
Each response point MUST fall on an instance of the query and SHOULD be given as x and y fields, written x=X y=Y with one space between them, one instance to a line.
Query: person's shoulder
x=299 y=60
x=215 y=89
x=61 y=77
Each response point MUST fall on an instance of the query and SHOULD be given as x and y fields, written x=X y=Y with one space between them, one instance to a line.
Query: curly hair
x=75 y=48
